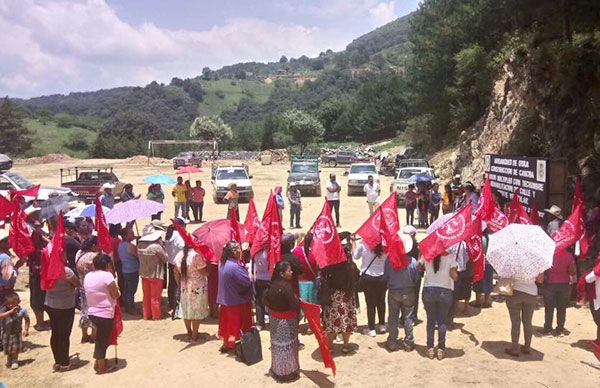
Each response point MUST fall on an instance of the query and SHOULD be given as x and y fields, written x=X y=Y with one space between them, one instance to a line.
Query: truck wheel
x=318 y=192
x=332 y=163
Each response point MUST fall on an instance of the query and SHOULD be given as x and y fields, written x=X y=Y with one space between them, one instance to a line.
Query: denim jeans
x=410 y=214
x=401 y=299
x=180 y=207
x=130 y=285
x=295 y=214
x=556 y=296
x=437 y=302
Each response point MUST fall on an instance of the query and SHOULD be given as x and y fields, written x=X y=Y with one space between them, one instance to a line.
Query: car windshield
x=232 y=173
x=405 y=174
x=304 y=168
x=363 y=169
x=22 y=182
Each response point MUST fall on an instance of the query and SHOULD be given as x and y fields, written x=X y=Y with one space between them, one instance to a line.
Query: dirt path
x=154 y=354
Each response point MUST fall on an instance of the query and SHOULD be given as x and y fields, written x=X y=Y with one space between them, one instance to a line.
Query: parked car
x=400 y=184
x=6 y=163
x=358 y=177
x=87 y=181
x=188 y=158
x=304 y=174
x=343 y=157
x=10 y=180
x=403 y=163
x=222 y=177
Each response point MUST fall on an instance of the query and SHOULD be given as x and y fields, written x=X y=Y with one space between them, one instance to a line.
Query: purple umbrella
x=132 y=210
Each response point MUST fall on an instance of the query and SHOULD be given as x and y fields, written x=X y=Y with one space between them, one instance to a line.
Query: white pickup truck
x=358 y=177
x=222 y=177
x=400 y=184
x=10 y=180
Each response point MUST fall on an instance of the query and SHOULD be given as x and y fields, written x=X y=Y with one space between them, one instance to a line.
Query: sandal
x=441 y=354
x=431 y=353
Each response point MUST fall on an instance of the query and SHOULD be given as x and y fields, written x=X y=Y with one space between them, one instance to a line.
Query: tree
x=283 y=59
x=301 y=127
x=211 y=128
x=14 y=137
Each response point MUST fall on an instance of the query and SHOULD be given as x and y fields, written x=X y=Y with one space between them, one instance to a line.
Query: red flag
x=392 y=245
x=52 y=265
x=117 y=326
x=104 y=240
x=19 y=236
x=498 y=220
x=596 y=348
x=534 y=215
x=33 y=191
x=516 y=211
x=370 y=230
x=579 y=199
x=456 y=229
x=5 y=208
x=475 y=250
x=326 y=247
x=485 y=206
x=571 y=230
x=191 y=241
x=236 y=231
x=312 y=312
x=268 y=235
x=252 y=222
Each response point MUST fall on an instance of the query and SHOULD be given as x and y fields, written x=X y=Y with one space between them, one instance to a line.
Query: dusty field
x=155 y=354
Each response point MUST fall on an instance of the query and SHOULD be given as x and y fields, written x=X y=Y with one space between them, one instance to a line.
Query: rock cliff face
x=526 y=117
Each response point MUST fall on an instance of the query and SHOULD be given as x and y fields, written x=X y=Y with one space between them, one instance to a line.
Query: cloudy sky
x=59 y=46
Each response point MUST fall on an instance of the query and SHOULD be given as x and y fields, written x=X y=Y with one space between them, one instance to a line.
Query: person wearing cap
x=333 y=197
x=153 y=258
x=555 y=218
x=401 y=297
x=179 y=193
x=107 y=199
x=295 y=198
x=455 y=184
x=36 y=294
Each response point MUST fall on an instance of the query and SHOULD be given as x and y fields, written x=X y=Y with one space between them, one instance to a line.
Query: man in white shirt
x=333 y=197
x=372 y=191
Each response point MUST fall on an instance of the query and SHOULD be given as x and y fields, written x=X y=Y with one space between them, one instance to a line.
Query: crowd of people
x=243 y=292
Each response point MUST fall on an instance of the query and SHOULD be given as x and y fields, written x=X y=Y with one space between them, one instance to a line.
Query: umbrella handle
x=137 y=231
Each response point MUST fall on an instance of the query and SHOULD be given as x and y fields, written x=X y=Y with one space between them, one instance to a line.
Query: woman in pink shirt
x=102 y=293
x=196 y=201
x=556 y=291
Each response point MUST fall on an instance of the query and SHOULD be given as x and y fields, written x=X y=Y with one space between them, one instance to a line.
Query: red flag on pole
x=19 y=236
x=485 y=205
x=392 y=245
x=268 y=235
x=475 y=250
x=312 y=312
x=5 y=208
x=252 y=222
x=571 y=230
x=497 y=221
x=516 y=211
x=33 y=191
x=579 y=199
x=52 y=265
x=326 y=247
x=456 y=229
x=236 y=232
x=191 y=241
x=117 y=326
x=370 y=230
x=104 y=241
x=534 y=215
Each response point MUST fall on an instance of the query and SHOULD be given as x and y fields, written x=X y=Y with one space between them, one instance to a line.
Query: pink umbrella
x=215 y=234
x=132 y=210
x=188 y=170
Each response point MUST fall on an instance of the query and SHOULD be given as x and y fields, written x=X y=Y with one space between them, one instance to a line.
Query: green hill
x=225 y=94
x=49 y=138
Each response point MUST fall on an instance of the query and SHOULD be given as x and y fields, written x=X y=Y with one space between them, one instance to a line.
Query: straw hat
x=32 y=209
x=108 y=185
x=153 y=231
x=555 y=211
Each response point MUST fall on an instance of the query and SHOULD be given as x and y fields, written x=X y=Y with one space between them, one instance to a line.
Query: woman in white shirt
x=375 y=286
x=595 y=303
x=438 y=289
x=521 y=305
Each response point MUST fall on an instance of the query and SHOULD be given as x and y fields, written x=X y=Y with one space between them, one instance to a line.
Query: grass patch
x=50 y=139
x=225 y=94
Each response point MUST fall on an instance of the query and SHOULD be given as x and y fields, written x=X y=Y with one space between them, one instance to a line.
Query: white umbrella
x=132 y=210
x=520 y=251
x=84 y=210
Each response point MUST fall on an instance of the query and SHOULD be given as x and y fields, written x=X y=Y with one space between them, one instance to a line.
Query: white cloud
x=383 y=13
x=57 y=47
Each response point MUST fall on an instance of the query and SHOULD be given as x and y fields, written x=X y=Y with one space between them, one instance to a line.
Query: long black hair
x=186 y=250
x=228 y=250
x=280 y=267
x=307 y=240
x=89 y=243
x=436 y=263
x=378 y=250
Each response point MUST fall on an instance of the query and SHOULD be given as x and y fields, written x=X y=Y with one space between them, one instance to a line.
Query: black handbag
x=248 y=349
x=364 y=278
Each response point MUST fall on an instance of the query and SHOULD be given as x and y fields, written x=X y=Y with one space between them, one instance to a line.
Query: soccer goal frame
x=152 y=143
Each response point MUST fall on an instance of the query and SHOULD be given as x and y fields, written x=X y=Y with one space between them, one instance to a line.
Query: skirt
x=340 y=314
x=485 y=285
x=233 y=320
x=462 y=286
x=12 y=343
x=285 y=345
x=213 y=283
x=194 y=303
x=308 y=291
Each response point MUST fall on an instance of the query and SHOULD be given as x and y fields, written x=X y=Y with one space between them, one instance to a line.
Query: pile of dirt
x=50 y=158
x=277 y=155
x=142 y=159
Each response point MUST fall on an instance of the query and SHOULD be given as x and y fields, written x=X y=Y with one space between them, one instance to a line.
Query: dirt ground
x=155 y=353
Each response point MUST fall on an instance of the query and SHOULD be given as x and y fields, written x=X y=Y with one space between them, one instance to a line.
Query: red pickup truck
x=89 y=180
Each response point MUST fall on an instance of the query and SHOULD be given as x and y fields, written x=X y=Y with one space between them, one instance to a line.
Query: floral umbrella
x=132 y=210
x=520 y=251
